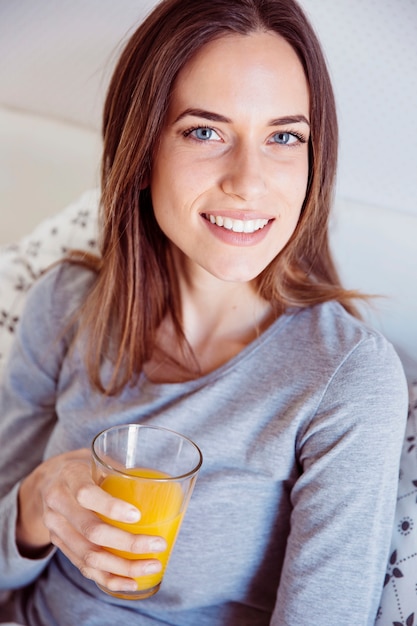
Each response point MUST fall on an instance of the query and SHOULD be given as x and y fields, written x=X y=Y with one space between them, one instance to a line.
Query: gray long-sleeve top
x=290 y=520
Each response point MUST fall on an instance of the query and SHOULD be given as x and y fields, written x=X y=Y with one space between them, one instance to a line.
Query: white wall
x=371 y=47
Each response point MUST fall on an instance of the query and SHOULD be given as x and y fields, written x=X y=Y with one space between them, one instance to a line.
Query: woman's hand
x=58 y=504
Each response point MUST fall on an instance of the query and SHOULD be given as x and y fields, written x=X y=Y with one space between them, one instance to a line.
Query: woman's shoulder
x=65 y=279
x=59 y=292
x=353 y=344
x=329 y=324
x=347 y=365
x=325 y=336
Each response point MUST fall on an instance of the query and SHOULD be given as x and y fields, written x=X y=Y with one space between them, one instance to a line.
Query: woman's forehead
x=260 y=69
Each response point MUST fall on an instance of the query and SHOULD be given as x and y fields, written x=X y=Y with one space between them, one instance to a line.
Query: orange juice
x=160 y=504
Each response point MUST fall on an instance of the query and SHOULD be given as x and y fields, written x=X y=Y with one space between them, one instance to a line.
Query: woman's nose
x=244 y=174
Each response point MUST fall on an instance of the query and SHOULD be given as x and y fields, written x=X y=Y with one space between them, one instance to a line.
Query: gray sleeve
x=27 y=409
x=344 y=501
x=15 y=570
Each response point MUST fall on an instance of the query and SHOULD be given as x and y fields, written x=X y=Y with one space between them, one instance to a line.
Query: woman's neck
x=232 y=313
x=218 y=320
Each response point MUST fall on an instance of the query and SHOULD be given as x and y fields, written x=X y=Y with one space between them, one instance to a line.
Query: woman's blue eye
x=203 y=133
x=284 y=138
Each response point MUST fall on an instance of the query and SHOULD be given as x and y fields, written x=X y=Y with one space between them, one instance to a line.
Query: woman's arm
x=344 y=501
x=52 y=502
x=27 y=408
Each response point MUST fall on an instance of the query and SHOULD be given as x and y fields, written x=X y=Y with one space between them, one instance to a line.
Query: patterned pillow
x=22 y=263
x=399 y=597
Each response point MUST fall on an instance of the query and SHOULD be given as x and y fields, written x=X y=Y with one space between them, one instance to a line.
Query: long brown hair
x=136 y=287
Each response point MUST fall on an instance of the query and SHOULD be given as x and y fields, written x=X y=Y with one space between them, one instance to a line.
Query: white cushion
x=376 y=252
x=22 y=263
x=45 y=163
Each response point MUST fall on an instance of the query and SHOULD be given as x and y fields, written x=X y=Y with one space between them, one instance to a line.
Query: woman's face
x=230 y=173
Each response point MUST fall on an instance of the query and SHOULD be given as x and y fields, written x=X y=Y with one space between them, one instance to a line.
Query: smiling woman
x=214 y=309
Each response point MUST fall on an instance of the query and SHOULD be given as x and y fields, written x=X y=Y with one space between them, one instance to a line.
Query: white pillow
x=22 y=263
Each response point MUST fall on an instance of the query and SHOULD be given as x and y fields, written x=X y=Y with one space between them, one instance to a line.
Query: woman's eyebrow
x=289 y=119
x=216 y=117
x=207 y=115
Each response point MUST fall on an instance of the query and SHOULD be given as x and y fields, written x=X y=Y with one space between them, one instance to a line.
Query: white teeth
x=238 y=226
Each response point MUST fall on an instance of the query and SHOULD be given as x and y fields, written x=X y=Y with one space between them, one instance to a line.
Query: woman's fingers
x=79 y=499
x=105 y=568
x=100 y=533
x=92 y=497
x=73 y=504
x=79 y=482
x=61 y=503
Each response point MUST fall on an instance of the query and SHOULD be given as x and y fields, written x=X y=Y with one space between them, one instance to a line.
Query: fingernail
x=130 y=586
x=153 y=568
x=157 y=545
x=132 y=515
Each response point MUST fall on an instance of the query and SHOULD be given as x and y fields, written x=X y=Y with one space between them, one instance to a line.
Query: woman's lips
x=237 y=231
x=237 y=225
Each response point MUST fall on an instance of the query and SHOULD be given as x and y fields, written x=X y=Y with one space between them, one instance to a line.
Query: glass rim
x=144 y=478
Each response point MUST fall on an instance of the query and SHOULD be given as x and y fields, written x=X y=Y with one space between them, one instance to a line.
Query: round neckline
x=200 y=381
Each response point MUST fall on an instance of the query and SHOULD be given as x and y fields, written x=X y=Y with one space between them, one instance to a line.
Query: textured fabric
x=21 y=263
x=398 y=604
x=301 y=435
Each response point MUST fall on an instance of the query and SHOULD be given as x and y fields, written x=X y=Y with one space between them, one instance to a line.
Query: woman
x=215 y=310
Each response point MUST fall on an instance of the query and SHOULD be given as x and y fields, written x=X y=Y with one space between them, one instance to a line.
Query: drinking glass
x=154 y=469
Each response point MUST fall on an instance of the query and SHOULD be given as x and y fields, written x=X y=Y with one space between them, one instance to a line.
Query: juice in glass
x=160 y=504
